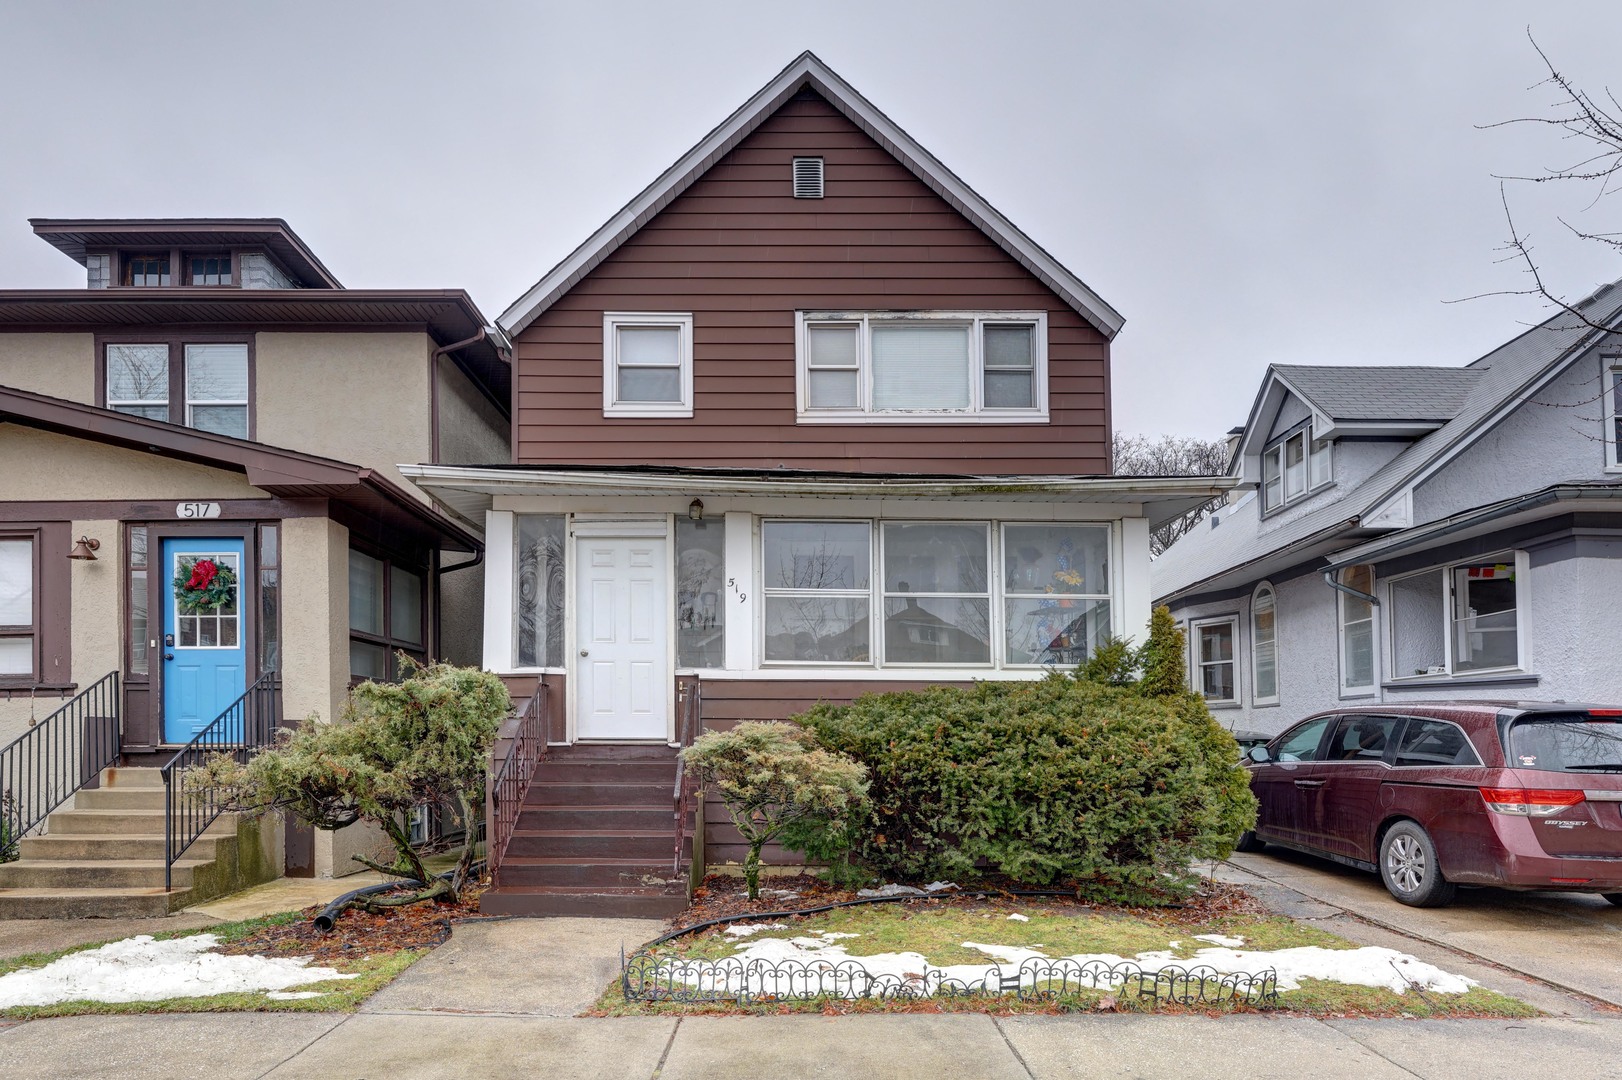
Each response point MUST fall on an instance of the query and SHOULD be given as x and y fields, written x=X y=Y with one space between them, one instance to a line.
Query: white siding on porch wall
x=1129 y=568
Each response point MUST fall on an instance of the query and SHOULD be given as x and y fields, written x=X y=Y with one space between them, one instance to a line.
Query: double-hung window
x=922 y=366
x=647 y=365
x=202 y=385
x=19 y=613
x=1613 y=413
x=1294 y=466
x=1356 y=615
x=1459 y=619
x=1215 y=672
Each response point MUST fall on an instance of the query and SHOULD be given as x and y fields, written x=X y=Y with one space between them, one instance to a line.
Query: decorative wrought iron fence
x=512 y=779
x=244 y=728
x=688 y=719
x=646 y=977
x=42 y=768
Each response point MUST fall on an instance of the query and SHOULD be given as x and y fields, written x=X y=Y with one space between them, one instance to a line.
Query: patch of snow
x=141 y=969
x=1008 y=954
x=1220 y=939
x=1017 y=917
x=908 y=890
x=940 y=886
x=293 y=995
x=740 y=931
x=834 y=935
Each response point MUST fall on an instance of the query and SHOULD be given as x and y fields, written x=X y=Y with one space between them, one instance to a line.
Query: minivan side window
x=1302 y=743
x=1361 y=737
x=1434 y=742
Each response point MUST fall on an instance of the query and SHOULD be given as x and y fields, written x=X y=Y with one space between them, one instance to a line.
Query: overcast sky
x=1246 y=182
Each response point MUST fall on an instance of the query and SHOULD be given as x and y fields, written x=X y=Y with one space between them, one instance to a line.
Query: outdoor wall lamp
x=695 y=510
x=85 y=550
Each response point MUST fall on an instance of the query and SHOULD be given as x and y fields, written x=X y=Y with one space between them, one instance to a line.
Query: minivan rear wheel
x=1409 y=867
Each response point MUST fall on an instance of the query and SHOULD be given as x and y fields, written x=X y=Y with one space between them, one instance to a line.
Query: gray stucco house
x=1416 y=533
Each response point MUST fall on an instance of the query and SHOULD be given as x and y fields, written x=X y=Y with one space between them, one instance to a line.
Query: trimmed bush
x=1063 y=781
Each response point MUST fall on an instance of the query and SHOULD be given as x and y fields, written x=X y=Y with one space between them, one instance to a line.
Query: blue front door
x=204 y=636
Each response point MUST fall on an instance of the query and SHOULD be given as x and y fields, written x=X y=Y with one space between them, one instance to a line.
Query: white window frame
x=683 y=324
x=192 y=403
x=1197 y=664
x=1347 y=689
x=998 y=591
x=1278 y=449
x=1255 y=679
x=976 y=412
x=1522 y=563
x=1613 y=430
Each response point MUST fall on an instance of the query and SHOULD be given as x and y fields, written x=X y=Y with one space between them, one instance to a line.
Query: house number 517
x=196 y=510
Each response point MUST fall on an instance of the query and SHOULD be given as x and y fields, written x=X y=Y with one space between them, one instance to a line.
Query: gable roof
x=1371 y=393
x=1507 y=376
x=72 y=236
x=808 y=72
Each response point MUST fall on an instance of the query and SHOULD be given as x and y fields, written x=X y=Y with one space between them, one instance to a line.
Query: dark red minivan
x=1523 y=795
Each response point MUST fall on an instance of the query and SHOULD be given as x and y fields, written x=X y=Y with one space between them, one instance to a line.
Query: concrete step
x=131 y=778
x=533 y=872
x=103 y=847
x=597 y=903
x=124 y=822
x=119 y=798
x=600 y=793
x=589 y=845
x=91 y=903
x=95 y=873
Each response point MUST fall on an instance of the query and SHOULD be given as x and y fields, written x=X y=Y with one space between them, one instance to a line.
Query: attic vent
x=808 y=178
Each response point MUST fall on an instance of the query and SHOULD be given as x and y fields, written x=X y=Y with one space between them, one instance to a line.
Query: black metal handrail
x=42 y=768
x=511 y=780
x=245 y=727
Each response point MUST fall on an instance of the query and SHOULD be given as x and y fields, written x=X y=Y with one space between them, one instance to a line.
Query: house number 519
x=732 y=583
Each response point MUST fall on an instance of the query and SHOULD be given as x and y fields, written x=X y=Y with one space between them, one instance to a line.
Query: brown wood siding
x=742 y=255
x=727 y=701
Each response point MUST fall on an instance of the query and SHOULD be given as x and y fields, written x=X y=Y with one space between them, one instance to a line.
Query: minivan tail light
x=1529 y=802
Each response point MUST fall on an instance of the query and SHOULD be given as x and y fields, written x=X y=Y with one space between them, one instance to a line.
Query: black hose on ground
x=328 y=916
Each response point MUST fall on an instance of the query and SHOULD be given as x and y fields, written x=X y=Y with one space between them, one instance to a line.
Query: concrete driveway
x=1569 y=940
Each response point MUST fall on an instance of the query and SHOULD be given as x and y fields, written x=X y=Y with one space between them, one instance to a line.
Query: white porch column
x=740 y=591
x=1135 y=598
x=499 y=589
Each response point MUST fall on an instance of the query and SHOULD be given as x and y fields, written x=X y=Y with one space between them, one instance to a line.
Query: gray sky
x=1246 y=182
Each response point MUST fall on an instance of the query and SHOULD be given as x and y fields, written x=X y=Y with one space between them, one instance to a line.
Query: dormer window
x=146 y=270
x=213 y=268
x=1295 y=466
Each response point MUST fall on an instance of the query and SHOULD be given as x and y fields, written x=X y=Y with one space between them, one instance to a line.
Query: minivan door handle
x=1309 y=783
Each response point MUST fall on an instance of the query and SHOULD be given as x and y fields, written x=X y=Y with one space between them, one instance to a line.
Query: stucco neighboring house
x=1417 y=533
x=215 y=396
x=808 y=418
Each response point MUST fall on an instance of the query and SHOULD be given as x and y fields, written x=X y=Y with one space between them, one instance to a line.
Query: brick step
x=101 y=847
x=545 y=793
x=613 y=772
x=119 y=798
x=91 y=903
x=593 y=844
x=531 y=872
x=564 y=818
x=95 y=874
x=590 y=903
x=125 y=822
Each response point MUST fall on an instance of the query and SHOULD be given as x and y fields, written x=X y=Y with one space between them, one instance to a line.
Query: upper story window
x=934 y=366
x=1613 y=413
x=213 y=268
x=149 y=270
x=1293 y=466
x=203 y=385
x=647 y=364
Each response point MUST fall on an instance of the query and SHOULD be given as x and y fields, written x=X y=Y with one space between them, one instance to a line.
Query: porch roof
x=285 y=473
x=468 y=490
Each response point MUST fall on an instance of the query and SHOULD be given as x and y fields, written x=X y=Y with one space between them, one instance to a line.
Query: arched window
x=1264 y=645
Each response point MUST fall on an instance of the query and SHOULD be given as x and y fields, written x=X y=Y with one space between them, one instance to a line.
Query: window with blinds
x=923 y=366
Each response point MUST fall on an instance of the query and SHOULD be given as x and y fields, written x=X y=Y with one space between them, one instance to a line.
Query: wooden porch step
x=592 y=771
x=595 y=873
x=599 y=793
x=558 y=818
x=589 y=903
x=593 y=844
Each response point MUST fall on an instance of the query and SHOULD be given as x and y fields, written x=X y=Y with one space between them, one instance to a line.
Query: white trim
x=1523 y=603
x=500 y=590
x=1133 y=582
x=977 y=412
x=807 y=71
x=682 y=323
x=739 y=625
x=1256 y=697
x=1343 y=688
x=1196 y=669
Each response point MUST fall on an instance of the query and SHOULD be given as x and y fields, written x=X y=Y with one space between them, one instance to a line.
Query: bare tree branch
x=1170 y=455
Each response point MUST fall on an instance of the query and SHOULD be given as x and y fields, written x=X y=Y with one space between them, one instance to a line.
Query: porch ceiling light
x=695 y=510
x=85 y=550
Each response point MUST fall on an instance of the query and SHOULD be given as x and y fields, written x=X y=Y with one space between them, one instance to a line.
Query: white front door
x=622 y=628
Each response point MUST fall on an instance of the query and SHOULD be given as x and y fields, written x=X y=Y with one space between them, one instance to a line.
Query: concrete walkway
x=501 y=1000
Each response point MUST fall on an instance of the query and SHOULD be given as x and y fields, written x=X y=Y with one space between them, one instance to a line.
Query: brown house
x=807 y=418
x=202 y=517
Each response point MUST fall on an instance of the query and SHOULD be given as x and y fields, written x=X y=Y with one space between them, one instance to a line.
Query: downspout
x=439 y=574
x=433 y=388
x=1329 y=579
